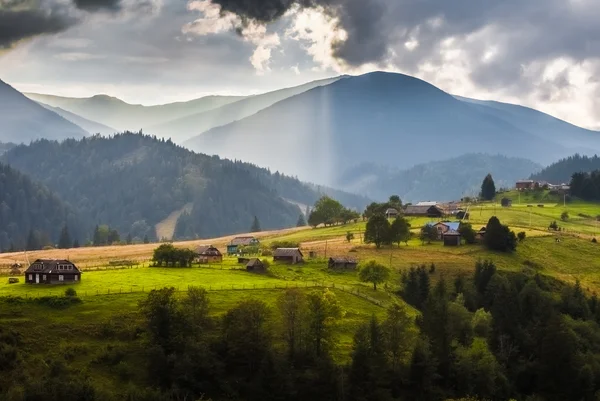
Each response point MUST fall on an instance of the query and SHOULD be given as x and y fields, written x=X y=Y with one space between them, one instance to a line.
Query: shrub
x=57 y=302
x=521 y=236
x=266 y=252
x=70 y=292
x=284 y=244
x=553 y=226
x=432 y=269
x=594 y=240
x=564 y=216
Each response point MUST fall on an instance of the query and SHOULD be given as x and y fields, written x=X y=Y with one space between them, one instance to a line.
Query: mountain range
x=375 y=134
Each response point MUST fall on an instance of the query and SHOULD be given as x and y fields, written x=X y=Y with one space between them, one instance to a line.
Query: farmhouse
x=525 y=184
x=52 y=271
x=428 y=211
x=255 y=265
x=237 y=242
x=391 y=213
x=208 y=254
x=342 y=263
x=445 y=227
x=288 y=255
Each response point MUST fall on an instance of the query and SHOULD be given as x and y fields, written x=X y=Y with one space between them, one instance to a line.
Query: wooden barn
x=342 y=263
x=52 y=271
x=208 y=254
x=288 y=255
x=255 y=265
x=237 y=242
x=452 y=238
x=424 y=211
x=444 y=227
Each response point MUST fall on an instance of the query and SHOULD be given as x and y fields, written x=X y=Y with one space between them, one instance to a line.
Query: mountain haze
x=185 y=128
x=442 y=180
x=123 y=116
x=23 y=120
x=90 y=126
x=394 y=119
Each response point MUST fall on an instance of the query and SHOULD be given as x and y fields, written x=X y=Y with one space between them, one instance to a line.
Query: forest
x=31 y=216
x=489 y=335
x=131 y=182
x=586 y=185
x=562 y=171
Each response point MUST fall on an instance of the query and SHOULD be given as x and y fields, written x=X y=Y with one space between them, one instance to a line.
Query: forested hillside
x=31 y=216
x=131 y=182
x=562 y=171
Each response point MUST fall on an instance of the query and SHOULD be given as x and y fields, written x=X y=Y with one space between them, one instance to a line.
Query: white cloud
x=77 y=56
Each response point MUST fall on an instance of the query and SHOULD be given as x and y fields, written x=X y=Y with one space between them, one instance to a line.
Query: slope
x=185 y=128
x=90 y=126
x=23 y=120
x=395 y=119
x=116 y=113
x=132 y=182
x=562 y=171
x=541 y=124
x=443 y=180
x=31 y=215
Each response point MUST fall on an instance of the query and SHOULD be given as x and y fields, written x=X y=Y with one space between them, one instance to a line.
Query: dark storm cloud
x=97 y=5
x=16 y=25
x=23 y=19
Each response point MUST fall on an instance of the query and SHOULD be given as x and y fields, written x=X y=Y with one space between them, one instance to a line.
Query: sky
x=540 y=53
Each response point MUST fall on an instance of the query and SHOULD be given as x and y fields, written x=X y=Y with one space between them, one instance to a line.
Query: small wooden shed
x=342 y=263
x=452 y=238
x=255 y=265
x=288 y=255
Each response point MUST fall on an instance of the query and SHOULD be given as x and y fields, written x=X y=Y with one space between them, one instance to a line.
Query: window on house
x=61 y=278
x=44 y=277
x=31 y=277
x=75 y=277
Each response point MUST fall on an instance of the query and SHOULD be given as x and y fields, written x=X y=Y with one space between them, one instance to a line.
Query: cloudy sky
x=540 y=53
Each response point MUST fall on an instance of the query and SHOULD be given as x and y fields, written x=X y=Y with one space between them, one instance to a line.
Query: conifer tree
x=301 y=221
x=488 y=188
x=64 y=240
x=255 y=225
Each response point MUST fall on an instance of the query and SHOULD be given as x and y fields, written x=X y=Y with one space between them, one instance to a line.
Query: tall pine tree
x=301 y=221
x=488 y=188
x=64 y=241
x=255 y=225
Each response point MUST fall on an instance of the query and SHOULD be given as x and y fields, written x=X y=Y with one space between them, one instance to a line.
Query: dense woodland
x=586 y=185
x=131 y=182
x=490 y=335
x=31 y=216
x=562 y=171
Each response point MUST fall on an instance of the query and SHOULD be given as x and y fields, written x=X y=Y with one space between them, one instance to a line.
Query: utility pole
x=325 y=249
x=391 y=249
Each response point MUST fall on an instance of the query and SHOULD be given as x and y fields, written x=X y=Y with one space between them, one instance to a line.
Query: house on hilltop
x=237 y=242
x=391 y=213
x=522 y=185
x=208 y=254
x=424 y=211
x=288 y=255
x=342 y=263
x=52 y=271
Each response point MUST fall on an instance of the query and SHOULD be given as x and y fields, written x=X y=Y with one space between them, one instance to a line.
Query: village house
x=52 y=271
x=255 y=265
x=342 y=263
x=237 y=242
x=522 y=185
x=288 y=255
x=452 y=238
x=208 y=254
x=424 y=211
x=391 y=213
x=444 y=227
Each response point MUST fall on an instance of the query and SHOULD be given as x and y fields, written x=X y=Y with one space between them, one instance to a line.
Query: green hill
x=562 y=171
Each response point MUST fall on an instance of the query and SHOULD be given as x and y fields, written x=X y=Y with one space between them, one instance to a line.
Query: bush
x=521 y=236
x=57 y=302
x=564 y=216
x=594 y=240
x=70 y=292
x=553 y=226
x=284 y=244
x=266 y=252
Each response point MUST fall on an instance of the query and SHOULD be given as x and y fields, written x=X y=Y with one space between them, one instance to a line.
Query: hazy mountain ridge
x=23 y=120
x=132 y=182
x=116 y=113
x=90 y=126
x=185 y=128
x=443 y=180
x=395 y=119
